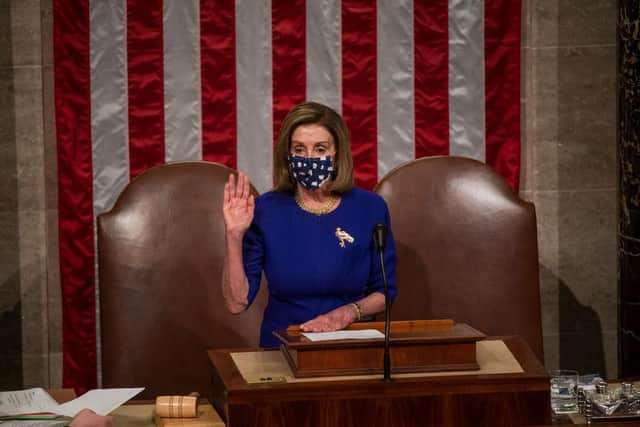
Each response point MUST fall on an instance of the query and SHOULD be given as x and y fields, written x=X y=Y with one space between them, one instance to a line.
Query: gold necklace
x=328 y=207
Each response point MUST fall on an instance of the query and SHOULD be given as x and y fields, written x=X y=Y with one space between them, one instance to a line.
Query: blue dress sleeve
x=253 y=258
x=376 y=283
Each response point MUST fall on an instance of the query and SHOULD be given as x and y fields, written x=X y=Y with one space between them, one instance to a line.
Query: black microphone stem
x=387 y=321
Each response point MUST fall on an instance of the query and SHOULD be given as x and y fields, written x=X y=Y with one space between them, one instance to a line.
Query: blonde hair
x=318 y=114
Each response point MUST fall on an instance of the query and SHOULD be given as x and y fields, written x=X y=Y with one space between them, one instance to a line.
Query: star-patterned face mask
x=311 y=172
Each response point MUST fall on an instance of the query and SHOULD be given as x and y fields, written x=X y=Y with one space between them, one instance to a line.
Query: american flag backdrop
x=140 y=83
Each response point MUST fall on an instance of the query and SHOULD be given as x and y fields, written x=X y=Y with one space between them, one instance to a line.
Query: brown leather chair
x=467 y=247
x=160 y=254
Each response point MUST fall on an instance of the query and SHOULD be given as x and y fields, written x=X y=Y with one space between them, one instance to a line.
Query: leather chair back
x=160 y=254
x=467 y=247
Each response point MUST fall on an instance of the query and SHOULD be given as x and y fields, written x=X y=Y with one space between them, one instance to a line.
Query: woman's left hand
x=334 y=320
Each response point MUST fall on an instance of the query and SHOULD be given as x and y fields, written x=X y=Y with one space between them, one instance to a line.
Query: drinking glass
x=607 y=402
x=564 y=399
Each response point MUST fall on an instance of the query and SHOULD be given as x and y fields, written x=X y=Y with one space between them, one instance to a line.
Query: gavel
x=177 y=406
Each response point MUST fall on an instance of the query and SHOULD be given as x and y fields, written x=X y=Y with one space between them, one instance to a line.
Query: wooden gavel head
x=177 y=406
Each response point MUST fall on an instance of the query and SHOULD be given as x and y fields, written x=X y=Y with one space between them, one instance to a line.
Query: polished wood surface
x=466 y=400
x=416 y=346
x=395 y=326
x=142 y=414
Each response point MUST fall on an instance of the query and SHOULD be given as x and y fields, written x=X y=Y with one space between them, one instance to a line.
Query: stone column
x=629 y=186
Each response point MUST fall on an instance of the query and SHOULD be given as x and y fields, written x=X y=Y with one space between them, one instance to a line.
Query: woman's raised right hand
x=238 y=206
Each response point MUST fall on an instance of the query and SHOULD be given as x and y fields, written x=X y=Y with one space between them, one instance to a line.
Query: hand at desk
x=334 y=320
x=88 y=418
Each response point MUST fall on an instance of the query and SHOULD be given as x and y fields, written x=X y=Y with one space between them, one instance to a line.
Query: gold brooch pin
x=343 y=237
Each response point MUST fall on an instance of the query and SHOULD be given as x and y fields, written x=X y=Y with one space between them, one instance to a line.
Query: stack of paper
x=36 y=404
x=362 y=334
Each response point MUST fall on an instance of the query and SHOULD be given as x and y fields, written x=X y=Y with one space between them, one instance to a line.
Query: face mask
x=311 y=172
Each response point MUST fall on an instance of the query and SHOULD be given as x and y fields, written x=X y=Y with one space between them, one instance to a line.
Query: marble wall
x=10 y=310
x=568 y=135
x=24 y=318
x=30 y=353
x=569 y=159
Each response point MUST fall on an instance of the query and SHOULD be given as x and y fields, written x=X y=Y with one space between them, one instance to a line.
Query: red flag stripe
x=218 y=80
x=502 y=89
x=75 y=195
x=359 y=86
x=288 y=19
x=146 y=85
x=431 y=45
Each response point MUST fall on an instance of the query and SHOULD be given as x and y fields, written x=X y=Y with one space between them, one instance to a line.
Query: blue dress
x=309 y=269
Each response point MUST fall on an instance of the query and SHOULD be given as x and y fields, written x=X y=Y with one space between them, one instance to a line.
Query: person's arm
x=345 y=315
x=235 y=286
x=371 y=304
x=238 y=208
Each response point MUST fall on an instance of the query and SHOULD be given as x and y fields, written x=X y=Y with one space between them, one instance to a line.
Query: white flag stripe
x=109 y=119
x=324 y=52
x=109 y=102
x=182 y=106
x=466 y=79
x=254 y=92
x=396 y=122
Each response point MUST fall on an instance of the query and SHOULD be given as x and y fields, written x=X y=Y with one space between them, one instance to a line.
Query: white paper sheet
x=36 y=400
x=62 y=422
x=363 y=334
x=101 y=401
x=30 y=401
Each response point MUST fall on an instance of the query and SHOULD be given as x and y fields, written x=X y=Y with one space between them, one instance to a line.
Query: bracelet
x=358 y=310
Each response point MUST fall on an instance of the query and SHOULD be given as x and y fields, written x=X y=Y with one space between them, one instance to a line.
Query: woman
x=312 y=235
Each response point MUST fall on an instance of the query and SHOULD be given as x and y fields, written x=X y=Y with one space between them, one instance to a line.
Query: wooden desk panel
x=469 y=400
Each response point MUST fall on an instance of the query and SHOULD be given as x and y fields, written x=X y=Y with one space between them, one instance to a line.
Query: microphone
x=380 y=236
